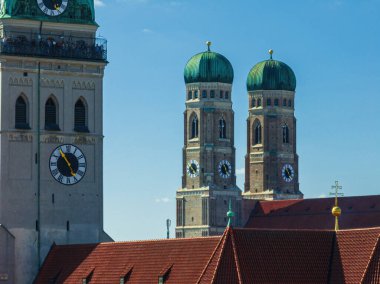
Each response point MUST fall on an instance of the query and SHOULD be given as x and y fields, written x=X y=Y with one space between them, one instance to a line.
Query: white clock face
x=192 y=168
x=67 y=164
x=225 y=169
x=52 y=7
x=287 y=172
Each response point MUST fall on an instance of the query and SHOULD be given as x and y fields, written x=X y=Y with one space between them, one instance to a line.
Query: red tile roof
x=357 y=212
x=239 y=256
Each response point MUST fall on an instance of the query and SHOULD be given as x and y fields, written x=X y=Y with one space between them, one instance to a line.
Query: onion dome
x=271 y=75
x=208 y=66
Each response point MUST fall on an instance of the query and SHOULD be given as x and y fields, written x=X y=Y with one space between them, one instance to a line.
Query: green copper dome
x=208 y=67
x=271 y=75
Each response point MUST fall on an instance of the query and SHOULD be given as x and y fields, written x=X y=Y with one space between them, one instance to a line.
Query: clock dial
x=225 y=169
x=52 y=7
x=192 y=168
x=67 y=164
x=287 y=172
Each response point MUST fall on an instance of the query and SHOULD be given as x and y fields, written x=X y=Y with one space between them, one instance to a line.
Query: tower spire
x=336 y=211
x=230 y=214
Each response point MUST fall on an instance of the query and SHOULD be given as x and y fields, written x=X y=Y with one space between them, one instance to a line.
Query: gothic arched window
x=285 y=134
x=226 y=95
x=284 y=102
x=195 y=94
x=258 y=102
x=289 y=103
x=222 y=128
x=204 y=94
x=221 y=94
x=276 y=102
x=189 y=95
x=80 y=116
x=21 y=114
x=212 y=94
x=269 y=102
x=194 y=127
x=51 y=115
x=257 y=133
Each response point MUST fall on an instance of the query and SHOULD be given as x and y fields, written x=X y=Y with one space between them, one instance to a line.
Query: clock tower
x=51 y=139
x=271 y=163
x=208 y=180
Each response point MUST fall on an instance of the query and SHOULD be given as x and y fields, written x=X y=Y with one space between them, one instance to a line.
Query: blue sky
x=332 y=46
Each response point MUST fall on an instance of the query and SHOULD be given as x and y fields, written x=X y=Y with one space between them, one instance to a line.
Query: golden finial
x=208 y=45
x=270 y=52
x=336 y=211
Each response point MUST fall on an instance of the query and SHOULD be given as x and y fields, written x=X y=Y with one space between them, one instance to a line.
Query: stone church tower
x=271 y=163
x=51 y=139
x=208 y=181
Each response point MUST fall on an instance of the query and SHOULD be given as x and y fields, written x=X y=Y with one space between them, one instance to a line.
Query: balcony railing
x=53 y=46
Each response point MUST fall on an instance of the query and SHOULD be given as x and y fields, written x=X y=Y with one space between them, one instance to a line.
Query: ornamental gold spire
x=270 y=51
x=208 y=43
x=336 y=211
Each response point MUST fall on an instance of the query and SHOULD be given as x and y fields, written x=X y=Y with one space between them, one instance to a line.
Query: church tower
x=208 y=181
x=51 y=139
x=271 y=163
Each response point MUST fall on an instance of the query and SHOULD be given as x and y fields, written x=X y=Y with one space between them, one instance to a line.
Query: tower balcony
x=53 y=46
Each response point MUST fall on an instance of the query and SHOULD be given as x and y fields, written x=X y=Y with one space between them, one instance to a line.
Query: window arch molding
x=256 y=132
x=81 y=115
x=193 y=126
x=51 y=113
x=22 y=112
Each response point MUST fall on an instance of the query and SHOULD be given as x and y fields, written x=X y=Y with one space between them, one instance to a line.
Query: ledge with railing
x=53 y=46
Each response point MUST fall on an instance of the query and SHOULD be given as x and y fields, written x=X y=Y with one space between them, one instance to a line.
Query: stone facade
x=208 y=180
x=271 y=161
x=63 y=214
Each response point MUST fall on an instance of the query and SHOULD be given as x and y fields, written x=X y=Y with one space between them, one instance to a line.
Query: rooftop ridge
x=237 y=263
x=225 y=236
x=371 y=259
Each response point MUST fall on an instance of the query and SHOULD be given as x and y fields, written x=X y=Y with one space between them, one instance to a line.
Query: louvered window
x=222 y=128
x=80 y=123
x=257 y=133
x=194 y=127
x=21 y=111
x=51 y=115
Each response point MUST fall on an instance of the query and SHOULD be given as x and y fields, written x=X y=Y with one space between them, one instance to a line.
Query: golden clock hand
x=287 y=171
x=67 y=162
x=225 y=168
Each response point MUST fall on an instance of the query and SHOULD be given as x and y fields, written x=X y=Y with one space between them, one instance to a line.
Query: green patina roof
x=77 y=11
x=271 y=75
x=208 y=67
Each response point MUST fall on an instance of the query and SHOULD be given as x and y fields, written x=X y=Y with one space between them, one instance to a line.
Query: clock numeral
x=63 y=6
x=54 y=172
x=79 y=172
x=68 y=180
x=45 y=10
x=60 y=178
x=75 y=151
x=53 y=164
x=68 y=148
x=80 y=157
x=82 y=165
x=75 y=180
x=41 y=5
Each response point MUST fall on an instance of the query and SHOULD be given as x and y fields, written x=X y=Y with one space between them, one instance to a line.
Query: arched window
x=284 y=102
x=204 y=94
x=269 y=102
x=289 y=103
x=21 y=114
x=51 y=115
x=222 y=128
x=221 y=94
x=258 y=102
x=257 y=133
x=195 y=94
x=285 y=134
x=80 y=117
x=276 y=102
x=194 y=127
x=253 y=102
x=212 y=94
x=226 y=95
x=189 y=95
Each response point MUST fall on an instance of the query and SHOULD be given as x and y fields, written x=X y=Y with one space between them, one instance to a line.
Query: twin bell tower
x=271 y=162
